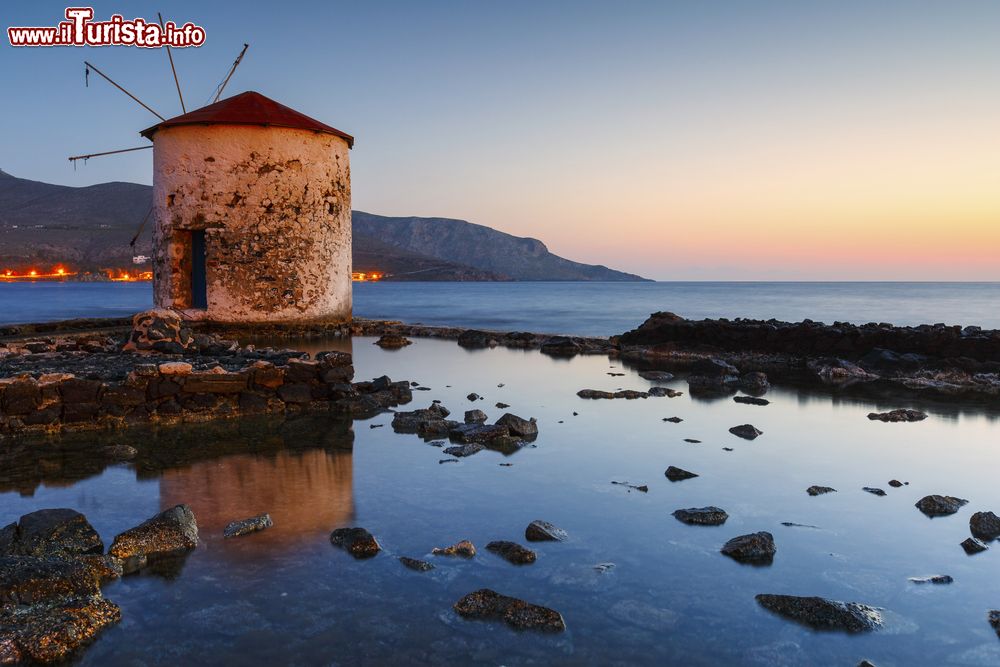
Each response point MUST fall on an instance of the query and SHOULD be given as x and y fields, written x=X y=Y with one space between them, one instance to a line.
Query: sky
x=695 y=140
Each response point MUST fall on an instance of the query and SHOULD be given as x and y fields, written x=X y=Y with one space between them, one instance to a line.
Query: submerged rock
x=985 y=525
x=751 y=400
x=465 y=549
x=512 y=552
x=702 y=516
x=898 y=416
x=543 y=531
x=49 y=608
x=51 y=532
x=247 y=526
x=755 y=382
x=524 y=428
x=673 y=420
x=488 y=604
x=675 y=474
x=822 y=614
x=936 y=579
x=465 y=450
x=416 y=564
x=994 y=620
x=935 y=505
x=973 y=546
x=656 y=376
x=166 y=535
x=466 y=433
x=753 y=548
x=356 y=541
x=746 y=431
x=820 y=490
x=873 y=490
x=393 y=341
x=632 y=487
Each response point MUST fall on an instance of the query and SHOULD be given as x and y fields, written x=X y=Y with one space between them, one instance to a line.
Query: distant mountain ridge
x=90 y=228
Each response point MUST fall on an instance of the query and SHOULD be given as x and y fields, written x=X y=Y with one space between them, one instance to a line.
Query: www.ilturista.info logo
x=81 y=30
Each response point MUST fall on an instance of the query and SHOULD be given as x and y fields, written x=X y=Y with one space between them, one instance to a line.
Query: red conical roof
x=249 y=108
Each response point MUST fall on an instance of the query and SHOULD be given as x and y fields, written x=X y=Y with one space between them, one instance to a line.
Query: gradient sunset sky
x=703 y=140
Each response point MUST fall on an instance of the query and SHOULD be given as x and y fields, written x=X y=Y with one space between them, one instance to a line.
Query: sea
x=578 y=308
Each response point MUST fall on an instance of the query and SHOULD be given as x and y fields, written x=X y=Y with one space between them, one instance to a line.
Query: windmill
x=217 y=93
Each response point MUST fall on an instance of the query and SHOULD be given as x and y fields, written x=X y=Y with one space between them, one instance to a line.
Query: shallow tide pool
x=287 y=596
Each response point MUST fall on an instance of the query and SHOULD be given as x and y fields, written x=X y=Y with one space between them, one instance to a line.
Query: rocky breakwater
x=949 y=360
x=164 y=373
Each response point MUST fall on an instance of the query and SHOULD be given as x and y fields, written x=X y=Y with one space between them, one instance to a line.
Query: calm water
x=286 y=596
x=598 y=309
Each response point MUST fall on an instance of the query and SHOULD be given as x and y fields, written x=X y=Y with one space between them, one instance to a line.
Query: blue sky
x=728 y=140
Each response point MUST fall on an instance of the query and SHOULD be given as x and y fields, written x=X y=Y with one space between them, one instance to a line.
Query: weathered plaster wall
x=275 y=204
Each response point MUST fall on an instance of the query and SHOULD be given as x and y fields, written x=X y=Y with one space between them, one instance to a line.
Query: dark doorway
x=199 y=286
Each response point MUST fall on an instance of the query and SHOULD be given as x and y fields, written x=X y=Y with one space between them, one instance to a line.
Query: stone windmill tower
x=251 y=214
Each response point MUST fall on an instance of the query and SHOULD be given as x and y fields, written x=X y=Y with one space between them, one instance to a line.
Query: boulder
x=746 y=431
x=820 y=490
x=490 y=605
x=822 y=614
x=524 y=428
x=560 y=346
x=675 y=474
x=755 y=383
x=49 y=608
x=393 y=342
x=63 y=533
x=512 y=552
x=475 y=417
x=543 y=531
x=168 y=534
x=656 y=376
x=898 y=416
x=356 y=541
x=246 y=526
x=985 y=525
x=971 y=546
x=757 y=548
x=994 y=620
x=416 y=564
x=751 y=400
x=465 y=549
x=158 y=330
x=466 y=433
x=476 y=339
x=702 y=516
x=935 y=505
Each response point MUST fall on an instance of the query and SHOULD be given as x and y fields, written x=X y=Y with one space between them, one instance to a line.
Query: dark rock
x=754 y=382
x=660 y=392
x=524 y=428
x=466 y=433
x=49 y=608
x=393 y=341
x=502 y=406
x=560 y=346
x=440 y=461
x=632 y=487
x=994 y=620
x=416 y=564
x=169 y=533
x=474 y=396
x=356 y=541
x=543 y=531
x=62 y=533
x=898 y=416
x=985 y=525
x=603 y=568
x=656 y=376
x=512 y=552
x=488 y=604
x=751 y=400
x=247 y=526
x=476 y=339
x=936 y=579
x=820 y=490
x=465 y=549
x=874 y=491
x=692 y=440
x=895 y=483
x=753 y=548
x=715 y=369
x=702 y=516
x=475 y=417
x=673 y=420
x=675 y=474
x=935 y=505
x=465 y=450
x=120 y=452
x=971 y=545
x=418 y=421
x=746 y=431
x=822 y=614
